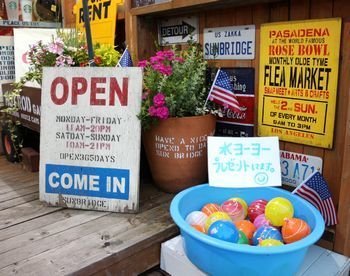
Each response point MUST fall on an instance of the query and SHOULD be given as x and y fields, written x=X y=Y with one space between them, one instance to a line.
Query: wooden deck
x=36 y=239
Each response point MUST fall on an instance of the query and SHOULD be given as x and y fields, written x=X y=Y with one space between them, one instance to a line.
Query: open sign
x=90 y=138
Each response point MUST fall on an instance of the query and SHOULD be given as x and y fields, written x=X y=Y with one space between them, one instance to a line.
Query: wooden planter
x=176 y=150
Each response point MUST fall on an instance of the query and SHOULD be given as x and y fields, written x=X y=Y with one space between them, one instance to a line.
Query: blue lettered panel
x=87 y=181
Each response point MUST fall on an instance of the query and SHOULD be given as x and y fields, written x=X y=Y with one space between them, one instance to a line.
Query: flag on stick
x=315 y=190
x=125 y=60
x=221 y=92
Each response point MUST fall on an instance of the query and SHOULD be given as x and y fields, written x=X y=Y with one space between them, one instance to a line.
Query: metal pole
x=88 y=32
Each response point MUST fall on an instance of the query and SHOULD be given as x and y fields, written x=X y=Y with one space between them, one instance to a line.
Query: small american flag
x=125 y=60
x=315 y=190
x=221 y=92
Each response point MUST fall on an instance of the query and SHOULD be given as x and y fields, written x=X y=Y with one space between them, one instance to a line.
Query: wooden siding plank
x=24 y=212
x=111 y=239
x=18 y=201
x=342 y=235
x=261 y=14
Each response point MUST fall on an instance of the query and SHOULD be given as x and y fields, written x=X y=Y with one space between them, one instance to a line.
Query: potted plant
x=175 y=118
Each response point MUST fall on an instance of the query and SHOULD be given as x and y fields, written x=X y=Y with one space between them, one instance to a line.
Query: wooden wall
x=142 y=32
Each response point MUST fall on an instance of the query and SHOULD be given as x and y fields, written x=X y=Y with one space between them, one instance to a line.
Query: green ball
x=242 y=238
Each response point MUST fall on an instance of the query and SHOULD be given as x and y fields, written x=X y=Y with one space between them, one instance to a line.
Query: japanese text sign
x=244 y=162
x=91 y=138
x=298 y=78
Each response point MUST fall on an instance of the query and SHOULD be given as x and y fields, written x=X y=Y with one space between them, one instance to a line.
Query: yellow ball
x=270 y=242
x=278 y=209
x=243 y=203
x=214 y=217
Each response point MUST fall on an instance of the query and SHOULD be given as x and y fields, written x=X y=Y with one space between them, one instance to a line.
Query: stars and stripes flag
x=315 y=190
x=221 y=92
x=125 y=60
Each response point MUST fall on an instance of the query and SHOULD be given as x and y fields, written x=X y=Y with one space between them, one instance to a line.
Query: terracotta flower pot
x=176 y=150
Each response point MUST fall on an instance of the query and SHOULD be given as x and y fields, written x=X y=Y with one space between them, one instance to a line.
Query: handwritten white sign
x=234 y=42
x=90 y=138
x=7 y=62
x=244 y=162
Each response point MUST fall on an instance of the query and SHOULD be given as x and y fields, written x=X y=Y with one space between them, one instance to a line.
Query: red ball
x=256 y=208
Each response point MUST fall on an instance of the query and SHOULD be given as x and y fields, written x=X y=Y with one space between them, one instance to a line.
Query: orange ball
x=246 y=227
x=294 y=229
x=211 y=208
x=199 y=228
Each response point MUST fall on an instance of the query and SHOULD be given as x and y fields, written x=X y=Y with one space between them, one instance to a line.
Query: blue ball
x=266 y=232
x=224 y=230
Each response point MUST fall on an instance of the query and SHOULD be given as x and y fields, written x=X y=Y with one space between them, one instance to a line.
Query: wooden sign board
x=29 y=106
x=244 y=162
x=298 y=79
x=90 y=138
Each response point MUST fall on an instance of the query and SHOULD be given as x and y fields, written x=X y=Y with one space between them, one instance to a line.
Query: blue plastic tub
x=217 y=257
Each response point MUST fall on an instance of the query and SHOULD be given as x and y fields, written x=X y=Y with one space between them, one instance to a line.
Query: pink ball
x=196 y=217
x=261 y=220
x=234 y=209
x=256 y=208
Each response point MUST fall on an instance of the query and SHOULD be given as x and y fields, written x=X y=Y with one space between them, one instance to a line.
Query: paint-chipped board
x=342 y=241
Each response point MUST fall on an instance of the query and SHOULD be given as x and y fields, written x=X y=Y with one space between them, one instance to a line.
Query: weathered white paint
x=90 y=147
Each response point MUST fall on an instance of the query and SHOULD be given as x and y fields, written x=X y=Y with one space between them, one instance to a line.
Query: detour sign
x=102 y=16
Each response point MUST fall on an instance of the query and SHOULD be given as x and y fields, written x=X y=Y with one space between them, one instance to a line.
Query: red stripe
x=222 y=102
x=319 y=200
x=225 y=93
x=218 y=97
x=310 y=197
x=326 y=207
x=333 y=215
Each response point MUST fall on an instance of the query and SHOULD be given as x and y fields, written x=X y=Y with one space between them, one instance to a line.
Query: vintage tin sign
x=298 y=78
x=90 y=138
x=239 y=124
x=178 y=30
x=296 y=167
x=234 y=42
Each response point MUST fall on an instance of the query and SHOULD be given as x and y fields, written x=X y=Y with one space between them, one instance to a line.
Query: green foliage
x=179 y=78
